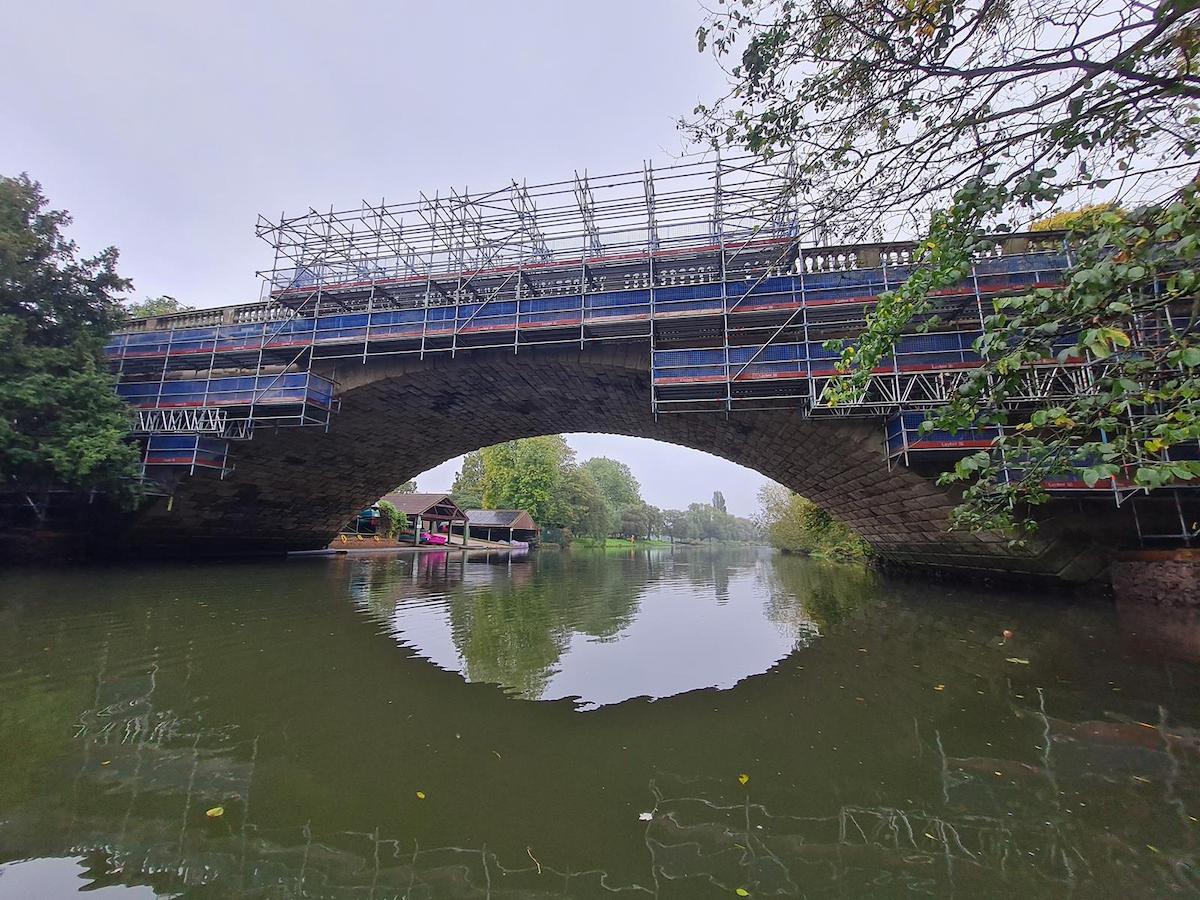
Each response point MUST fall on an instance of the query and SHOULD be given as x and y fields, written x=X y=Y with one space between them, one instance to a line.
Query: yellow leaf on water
x=742 y=892
x=420 y=795
x=743 y=778
x=216 y=812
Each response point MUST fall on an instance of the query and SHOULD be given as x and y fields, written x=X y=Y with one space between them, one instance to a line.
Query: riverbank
x=616 y=543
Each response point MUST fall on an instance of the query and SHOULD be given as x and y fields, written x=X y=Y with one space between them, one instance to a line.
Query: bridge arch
x=293 y=488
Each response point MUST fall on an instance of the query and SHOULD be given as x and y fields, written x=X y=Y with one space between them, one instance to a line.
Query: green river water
x=644 y=723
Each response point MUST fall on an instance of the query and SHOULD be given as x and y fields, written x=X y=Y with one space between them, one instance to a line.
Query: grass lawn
x=618 y=543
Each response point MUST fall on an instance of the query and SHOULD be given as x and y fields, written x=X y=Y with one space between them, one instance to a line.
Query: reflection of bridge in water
x=599 y=304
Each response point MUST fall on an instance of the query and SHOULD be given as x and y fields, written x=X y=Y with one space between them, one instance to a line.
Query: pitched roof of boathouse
x=502 y=518
x=432 y=507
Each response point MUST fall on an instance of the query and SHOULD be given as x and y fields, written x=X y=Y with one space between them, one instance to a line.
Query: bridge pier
x=1158 y=578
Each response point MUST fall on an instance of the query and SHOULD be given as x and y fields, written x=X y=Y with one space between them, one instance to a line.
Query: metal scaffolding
x=709 y=264
x=439 y=241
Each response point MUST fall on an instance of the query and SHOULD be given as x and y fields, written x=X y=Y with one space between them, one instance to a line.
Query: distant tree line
x=709 y=522
x=597 y=499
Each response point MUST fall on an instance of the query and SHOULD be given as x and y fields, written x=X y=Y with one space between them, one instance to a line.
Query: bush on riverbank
x=797 y=525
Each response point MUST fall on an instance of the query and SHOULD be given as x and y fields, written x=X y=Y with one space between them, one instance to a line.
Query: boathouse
x=435 y=513
x=501 y=525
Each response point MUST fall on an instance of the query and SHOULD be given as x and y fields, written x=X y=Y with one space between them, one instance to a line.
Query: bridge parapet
x=807 y=260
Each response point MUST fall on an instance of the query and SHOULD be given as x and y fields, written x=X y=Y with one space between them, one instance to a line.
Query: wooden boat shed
x=434 y=512
x=502 y=525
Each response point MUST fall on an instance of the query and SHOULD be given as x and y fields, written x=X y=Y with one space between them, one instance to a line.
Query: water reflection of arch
x=514 y=630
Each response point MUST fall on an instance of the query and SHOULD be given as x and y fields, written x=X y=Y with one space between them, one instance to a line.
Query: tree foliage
x=974 y=116
x=638 y=519
x=391 y=520
x=61 y=423
x=540 y=476
x=707 y=522
x=528 y=474
x=890 y=108
x=615 y=480
x=467 y=490
x=675 y=524
x=588 y=513
x=797 y=525
x=164 y=305
x=1084 y=219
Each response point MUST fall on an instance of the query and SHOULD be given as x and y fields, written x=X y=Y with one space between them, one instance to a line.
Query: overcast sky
x=165 y=128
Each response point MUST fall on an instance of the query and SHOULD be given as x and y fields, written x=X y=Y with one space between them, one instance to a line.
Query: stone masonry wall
x=293 y=488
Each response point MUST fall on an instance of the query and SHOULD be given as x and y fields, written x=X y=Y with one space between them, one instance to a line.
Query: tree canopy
x=890 y=108
x=164 y=305
x=538 y=475
x=528 y=474
x=467 y=490
x=615 y=480
x=61 y=423
x=950 y=120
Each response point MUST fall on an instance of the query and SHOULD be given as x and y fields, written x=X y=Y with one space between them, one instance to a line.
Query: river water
x=684 y=724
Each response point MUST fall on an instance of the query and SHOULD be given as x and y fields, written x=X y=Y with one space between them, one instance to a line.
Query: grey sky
x=165 y=128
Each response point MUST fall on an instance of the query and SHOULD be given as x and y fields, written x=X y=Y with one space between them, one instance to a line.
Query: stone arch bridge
x=693 y=313
x=293 y=488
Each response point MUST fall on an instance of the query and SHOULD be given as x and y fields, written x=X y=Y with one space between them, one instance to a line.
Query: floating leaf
x=743 y=778
x=1017 y=660
x=420 y=795
x=742 y=892
x=216 y=812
